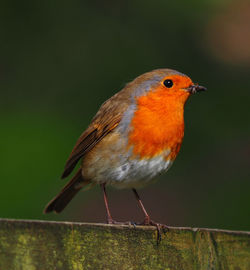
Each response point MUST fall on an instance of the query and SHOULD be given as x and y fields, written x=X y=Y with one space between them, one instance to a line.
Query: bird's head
x=165 y=83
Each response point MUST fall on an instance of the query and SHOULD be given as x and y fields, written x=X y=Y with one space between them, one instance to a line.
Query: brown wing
x=106 y=119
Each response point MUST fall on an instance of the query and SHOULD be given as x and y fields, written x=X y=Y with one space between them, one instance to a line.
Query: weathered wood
x=32 y=245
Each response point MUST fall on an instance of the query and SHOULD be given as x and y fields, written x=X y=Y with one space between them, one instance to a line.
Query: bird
x=135 y=136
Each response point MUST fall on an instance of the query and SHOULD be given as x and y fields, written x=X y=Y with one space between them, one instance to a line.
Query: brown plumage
x=106 y=119
x=58 y=203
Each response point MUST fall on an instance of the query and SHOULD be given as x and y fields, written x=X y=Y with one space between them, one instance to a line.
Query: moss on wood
x=33 y=245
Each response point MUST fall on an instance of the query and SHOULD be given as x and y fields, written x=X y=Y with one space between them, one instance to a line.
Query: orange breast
x=158 y=123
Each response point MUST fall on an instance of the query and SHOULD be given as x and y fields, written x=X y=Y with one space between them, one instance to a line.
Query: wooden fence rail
x=33 y=245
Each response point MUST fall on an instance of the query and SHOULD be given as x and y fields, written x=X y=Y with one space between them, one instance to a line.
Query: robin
x=135 y=135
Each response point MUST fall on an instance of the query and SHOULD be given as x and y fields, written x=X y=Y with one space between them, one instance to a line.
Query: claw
x=160 y=227
x=133 y=223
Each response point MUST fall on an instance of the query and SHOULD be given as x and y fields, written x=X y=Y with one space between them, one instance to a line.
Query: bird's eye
x=168 y=83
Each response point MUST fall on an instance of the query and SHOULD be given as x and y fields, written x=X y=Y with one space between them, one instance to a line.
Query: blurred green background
x=60 y=60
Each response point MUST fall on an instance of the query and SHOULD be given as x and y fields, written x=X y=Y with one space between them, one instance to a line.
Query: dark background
x=58 y=63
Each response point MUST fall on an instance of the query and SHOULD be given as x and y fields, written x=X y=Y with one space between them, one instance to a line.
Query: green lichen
x=34 y=245
x=23 y=254
x=74 y=249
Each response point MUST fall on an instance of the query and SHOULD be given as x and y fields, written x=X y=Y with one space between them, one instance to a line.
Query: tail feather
x=67 y=193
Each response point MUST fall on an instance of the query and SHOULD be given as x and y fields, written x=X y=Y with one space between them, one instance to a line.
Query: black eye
x=168 y=83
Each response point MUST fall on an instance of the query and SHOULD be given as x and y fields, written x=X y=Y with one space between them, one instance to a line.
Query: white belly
x=138 y=173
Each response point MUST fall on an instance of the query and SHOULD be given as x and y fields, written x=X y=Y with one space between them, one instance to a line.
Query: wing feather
x=104 y=122
x=84 y=144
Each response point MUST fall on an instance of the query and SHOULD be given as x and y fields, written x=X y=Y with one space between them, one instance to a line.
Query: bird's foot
x=160 y=227
x=111 y=221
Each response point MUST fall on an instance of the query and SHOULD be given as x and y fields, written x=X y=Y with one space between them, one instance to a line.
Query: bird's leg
x=147 y=220
x=146 y=215
x=110 y=219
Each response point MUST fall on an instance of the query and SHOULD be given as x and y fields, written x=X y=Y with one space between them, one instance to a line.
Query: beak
x=195 y=88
